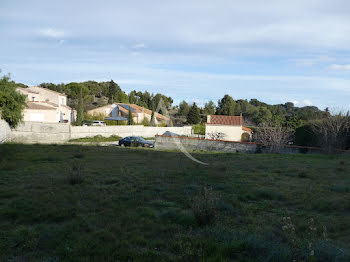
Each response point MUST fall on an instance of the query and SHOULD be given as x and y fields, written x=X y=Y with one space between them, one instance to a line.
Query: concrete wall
x=171 y=143
x=34 y=132
x=122 y=131
x=5 y=131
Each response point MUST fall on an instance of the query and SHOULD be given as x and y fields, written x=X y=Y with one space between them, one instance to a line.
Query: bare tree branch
x=332 y=131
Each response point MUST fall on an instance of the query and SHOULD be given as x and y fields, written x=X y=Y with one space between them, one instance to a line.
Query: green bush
x=199 y=129
x=245 y=137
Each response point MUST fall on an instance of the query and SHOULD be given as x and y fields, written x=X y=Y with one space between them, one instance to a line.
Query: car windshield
x=141 y=139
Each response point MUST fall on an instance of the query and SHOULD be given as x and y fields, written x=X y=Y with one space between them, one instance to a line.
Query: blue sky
x=275 y=51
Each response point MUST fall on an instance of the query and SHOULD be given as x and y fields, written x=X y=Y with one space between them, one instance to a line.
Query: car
x=135 y=141
x=94 y=123
x=168 y=133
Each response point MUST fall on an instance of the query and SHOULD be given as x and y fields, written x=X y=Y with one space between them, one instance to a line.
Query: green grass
x=96 y=139
x=143 y=205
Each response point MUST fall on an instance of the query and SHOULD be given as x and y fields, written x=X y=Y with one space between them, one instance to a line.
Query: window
x=62 y=102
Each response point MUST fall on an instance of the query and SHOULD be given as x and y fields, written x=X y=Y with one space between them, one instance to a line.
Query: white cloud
x=139 y=46
x=304 y=102
x=311 y=61
x=340 y=67
x=307 y=102
x=52 y=33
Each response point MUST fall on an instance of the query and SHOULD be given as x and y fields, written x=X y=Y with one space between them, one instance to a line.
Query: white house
x=228 y=128
x=45 y=105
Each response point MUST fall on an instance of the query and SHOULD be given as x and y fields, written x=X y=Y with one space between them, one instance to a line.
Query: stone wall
x=35 y=132
x=5 y=131
x=190 y=144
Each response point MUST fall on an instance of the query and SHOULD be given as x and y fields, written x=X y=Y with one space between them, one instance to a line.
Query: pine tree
x=130 y=120
x=193 y=116
x=80 y=109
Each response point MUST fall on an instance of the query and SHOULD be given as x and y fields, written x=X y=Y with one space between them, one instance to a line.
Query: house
x=120 y=111
x=226 y=128
x=45 y=105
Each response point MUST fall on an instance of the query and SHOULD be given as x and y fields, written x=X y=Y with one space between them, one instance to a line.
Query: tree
x=193 y=116
x=130 y=119
x=226 y=106
x=332 y=131
x=113 y=91
x=80 y=109
x=263 y=116
x=209 y=108
x=12 y=103
x=75 y=90
x=273 y=136
x=184 y=108
x=132 y=97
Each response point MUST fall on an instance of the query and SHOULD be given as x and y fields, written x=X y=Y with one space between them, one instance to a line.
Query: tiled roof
x=225 y=120
x=39 y=106
x=137 y=109
x=140 y=109
x=247 y=129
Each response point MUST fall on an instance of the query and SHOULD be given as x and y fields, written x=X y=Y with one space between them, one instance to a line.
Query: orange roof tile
x=225 y=120
x=247 y=129
x=140 y=109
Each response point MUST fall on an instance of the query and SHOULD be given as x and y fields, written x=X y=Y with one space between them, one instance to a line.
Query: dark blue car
x=135 y=141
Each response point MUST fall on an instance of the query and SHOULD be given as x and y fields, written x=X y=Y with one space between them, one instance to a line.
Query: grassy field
x=79 y=203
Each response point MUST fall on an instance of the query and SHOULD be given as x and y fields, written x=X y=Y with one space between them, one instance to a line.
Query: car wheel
x=122 y=145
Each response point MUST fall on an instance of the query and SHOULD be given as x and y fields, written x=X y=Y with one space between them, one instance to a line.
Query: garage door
x=37 y=117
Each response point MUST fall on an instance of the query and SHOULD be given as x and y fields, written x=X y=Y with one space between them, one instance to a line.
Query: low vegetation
x=118 y=207
x=96 y=139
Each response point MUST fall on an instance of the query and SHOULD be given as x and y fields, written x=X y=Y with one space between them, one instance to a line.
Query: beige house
x=121 y=110
x=228 y=128
x=45 y=105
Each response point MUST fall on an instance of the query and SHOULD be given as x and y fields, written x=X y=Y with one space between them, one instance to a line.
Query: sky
x=276 y=51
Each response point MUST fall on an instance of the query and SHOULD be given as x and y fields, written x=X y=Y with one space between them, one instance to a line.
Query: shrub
x=76 y=174
x=205 y=206
x=245 y=137
x=145 y=122
x=199 y=129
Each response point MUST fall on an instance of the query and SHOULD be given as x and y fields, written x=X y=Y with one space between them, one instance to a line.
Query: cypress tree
x=80 y=109
x=130 y=121
x=193 y=116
